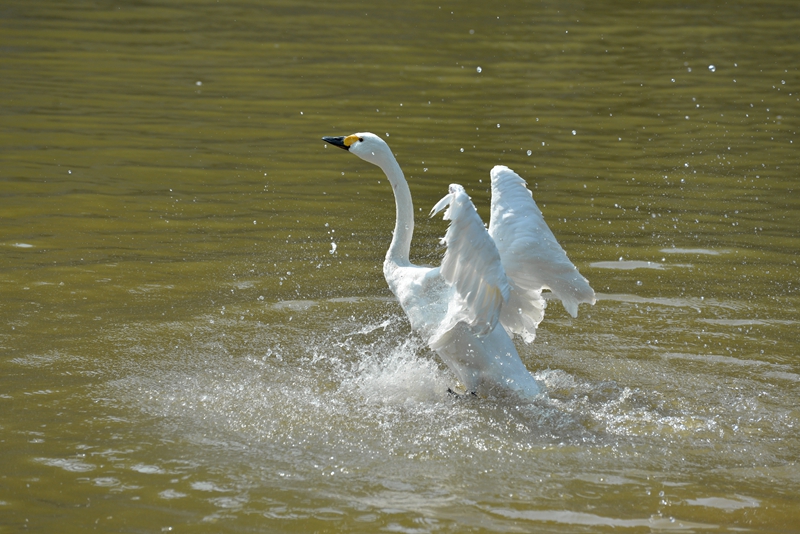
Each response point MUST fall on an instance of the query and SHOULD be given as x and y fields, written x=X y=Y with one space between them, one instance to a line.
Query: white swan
x=486 y=277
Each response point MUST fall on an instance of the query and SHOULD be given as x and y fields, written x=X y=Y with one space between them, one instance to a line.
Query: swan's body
x=489 y=285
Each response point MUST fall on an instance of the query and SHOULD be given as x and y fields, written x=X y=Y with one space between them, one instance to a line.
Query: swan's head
x=366 y=146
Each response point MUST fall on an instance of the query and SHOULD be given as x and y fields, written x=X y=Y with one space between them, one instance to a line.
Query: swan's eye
x=361 y=139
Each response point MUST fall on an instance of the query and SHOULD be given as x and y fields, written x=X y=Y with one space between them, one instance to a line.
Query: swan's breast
x=423 y=294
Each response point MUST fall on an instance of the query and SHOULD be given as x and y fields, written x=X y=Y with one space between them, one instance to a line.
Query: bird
x=488 y=288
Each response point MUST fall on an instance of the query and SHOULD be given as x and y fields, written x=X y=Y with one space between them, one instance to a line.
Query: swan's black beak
x=336 y=141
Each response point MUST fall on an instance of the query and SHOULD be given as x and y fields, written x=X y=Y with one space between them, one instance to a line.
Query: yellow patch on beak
x=350 y=139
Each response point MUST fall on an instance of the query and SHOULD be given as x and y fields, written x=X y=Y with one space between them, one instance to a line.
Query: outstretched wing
x=471 y=265
x=532 y=258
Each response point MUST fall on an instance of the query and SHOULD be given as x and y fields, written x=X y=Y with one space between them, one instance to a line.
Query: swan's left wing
x=471 y=265
x=532 y=258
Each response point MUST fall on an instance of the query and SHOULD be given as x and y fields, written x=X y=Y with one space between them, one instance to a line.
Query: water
x=182 y=347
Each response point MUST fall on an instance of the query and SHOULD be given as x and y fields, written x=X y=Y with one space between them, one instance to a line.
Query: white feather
x=532 y=258
x=471 y=265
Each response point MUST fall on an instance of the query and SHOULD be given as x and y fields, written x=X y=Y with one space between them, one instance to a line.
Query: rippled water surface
x=195 y=334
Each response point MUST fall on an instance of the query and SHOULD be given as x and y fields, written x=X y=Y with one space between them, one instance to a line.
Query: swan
x=488 y=287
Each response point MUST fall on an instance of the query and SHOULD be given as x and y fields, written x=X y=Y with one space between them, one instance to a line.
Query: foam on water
x=366 y=381
x=401 y=378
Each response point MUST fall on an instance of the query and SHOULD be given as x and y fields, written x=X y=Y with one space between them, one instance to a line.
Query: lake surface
x=183 y=348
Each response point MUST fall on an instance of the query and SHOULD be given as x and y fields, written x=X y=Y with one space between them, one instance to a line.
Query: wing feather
x=471 y=265
x=531 y=256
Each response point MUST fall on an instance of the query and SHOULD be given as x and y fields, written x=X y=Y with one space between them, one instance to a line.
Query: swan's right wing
x=532 y=258
x=471 y=265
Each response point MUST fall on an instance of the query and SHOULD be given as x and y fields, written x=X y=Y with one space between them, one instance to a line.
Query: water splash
x=344 y=403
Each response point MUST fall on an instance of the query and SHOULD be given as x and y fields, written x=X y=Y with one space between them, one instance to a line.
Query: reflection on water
x=196 y=332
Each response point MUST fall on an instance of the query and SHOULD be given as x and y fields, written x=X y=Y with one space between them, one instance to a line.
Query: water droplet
x=498 y=125
x=712 y=68
x=574 y=132
x=529 y=152
x=462 y=150
x=198 y=83
x=479 y=70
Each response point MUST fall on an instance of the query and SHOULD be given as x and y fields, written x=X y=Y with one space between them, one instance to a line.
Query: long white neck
x=404 y=224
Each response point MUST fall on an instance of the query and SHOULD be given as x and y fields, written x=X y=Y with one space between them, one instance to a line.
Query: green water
x=182 y=348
